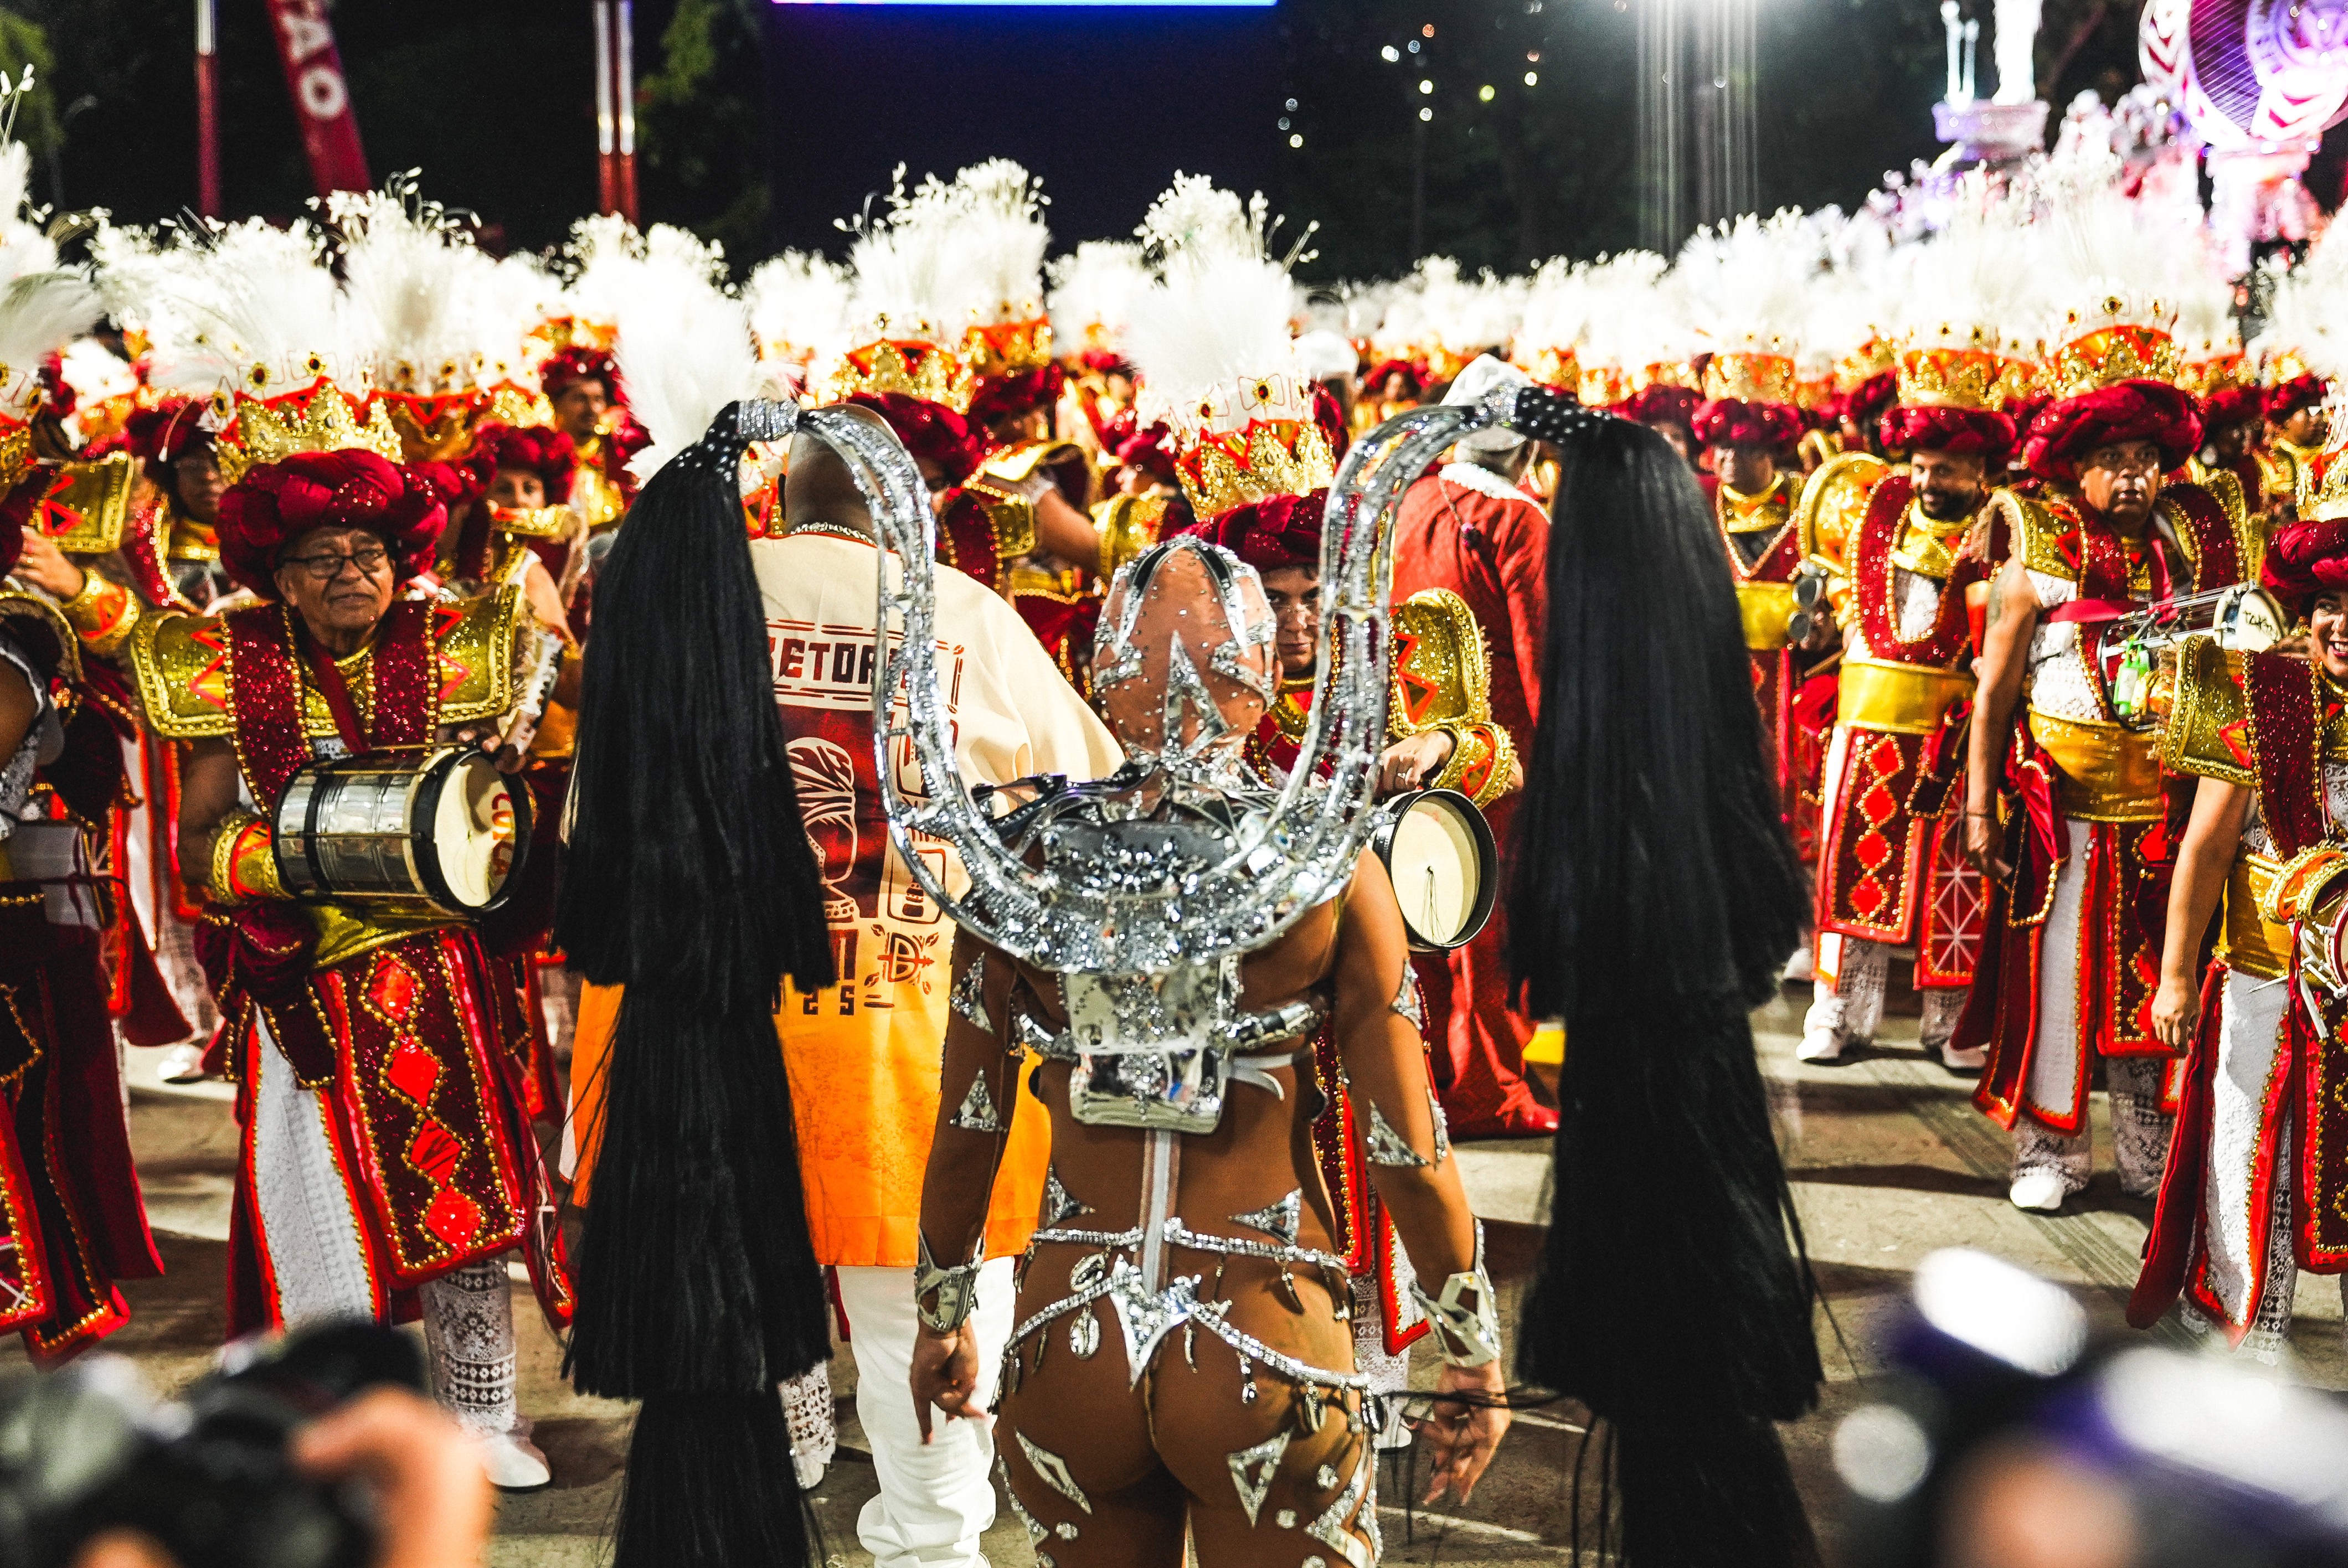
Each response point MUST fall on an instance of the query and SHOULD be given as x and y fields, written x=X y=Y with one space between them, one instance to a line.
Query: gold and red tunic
x=2084 y=812
x=417 y=1048
x=1892 y=866
x=1763 y=548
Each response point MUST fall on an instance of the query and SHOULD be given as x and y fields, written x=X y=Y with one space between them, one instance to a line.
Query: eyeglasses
x=368 y=558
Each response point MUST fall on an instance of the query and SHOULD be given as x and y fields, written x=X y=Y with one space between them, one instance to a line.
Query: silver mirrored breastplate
x=1154 y=1050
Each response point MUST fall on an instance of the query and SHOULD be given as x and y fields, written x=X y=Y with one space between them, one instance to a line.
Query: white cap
x=1482 y=374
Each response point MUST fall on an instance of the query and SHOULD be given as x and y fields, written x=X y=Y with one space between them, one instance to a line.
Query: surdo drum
x=429 y=830
x=1440 y=855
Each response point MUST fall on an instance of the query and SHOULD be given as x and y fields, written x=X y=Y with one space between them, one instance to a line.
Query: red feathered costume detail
x=537 y=449
x=1276 y=534
x=2305 y=560
x=1733 y=422
x=571 y=367
x=930 y=430
x=1413 y=379
x=276 y=503
x=2233 y=405
x=2070 y=428
x=1870 y=401
x=1960 y=432
x=1016 y=396
x=1661 y=404
x=2287 y=398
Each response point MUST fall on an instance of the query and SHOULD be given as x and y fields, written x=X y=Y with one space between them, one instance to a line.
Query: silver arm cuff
x=1466 y=1315
x=943 y=1297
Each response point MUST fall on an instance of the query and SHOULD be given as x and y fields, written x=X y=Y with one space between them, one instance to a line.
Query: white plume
x=684 y=343
x=260 y=305
x=798 y=304
x=999 y=242
x=1219 y=311
x=597 y=263
x=908 y=265
x=1557 y=308
x=40 y=312
x=1093 y=290
x=1747 y=285
x=1636 y=316
x=420 y=291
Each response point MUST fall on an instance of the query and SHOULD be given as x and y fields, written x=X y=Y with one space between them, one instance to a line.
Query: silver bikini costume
x=1153 y=884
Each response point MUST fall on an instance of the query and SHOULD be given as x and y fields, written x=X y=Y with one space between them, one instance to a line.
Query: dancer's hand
x=1461 y=1435
x=946 y=1374
x=2176 y=1011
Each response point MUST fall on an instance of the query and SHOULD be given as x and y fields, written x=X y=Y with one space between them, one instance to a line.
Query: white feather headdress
x=2110 y=285
x=1637 y=330
x=1210 y=340
x=683 y=343
x=999 y=244
x=798 y=304
x=421 y=292
x=1093 y=290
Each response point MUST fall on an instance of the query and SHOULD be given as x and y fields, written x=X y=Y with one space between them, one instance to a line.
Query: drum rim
x=1392 y=810
x=431 y=774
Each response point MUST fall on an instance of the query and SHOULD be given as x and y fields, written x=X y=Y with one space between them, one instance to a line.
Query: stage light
x=1390 y=54
x=1424 y=86
x=1532 y=79
x=1427 y=114
x=1486 y=92
x=1296 y=141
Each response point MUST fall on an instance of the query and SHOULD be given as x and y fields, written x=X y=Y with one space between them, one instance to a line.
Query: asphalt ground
x=1889 y=1162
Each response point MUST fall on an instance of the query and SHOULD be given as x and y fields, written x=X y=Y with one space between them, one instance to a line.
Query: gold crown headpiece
x=2284 y=366
x=555 y=333
x=1872 y=358
x=2219 y=372
x=912 y=368
x=1550 y=366
x=1952 y=365
x=1604 y=385
x=1250 y=440
x=2322 y=489
x=1750 y=377
x=318 y=417
x=2120 y=337
x=1008 y=347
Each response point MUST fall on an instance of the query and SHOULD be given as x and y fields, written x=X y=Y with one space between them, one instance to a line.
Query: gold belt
x=1766 y=609
x=1904 y=698
x=2106 y=773
x=2248 y=943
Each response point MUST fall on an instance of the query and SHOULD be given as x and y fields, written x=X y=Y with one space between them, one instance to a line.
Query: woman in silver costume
x=1182 y=1349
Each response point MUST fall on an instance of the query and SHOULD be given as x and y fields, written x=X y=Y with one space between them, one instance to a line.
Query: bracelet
x=943 y=1298
x=103 y=614
x=1466 y=1314
x=244 y=861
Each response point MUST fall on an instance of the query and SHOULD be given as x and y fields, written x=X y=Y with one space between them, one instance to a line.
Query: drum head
x=2249 y=620
x=479 y=825
x=1439 y=853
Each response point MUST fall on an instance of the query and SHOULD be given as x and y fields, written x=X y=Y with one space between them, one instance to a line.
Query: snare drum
x=1439 y=853
x=440 y=830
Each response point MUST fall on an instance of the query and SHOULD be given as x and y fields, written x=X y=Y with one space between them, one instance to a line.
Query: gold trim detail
x=1766 y=609
x=1902 y=699
x=321 y=418
x=103 y=614
x=2208 y=730
x=1129 y=525
x=2106 y=773
x=2250 y=943
x=1442 y=675
x=907 y=366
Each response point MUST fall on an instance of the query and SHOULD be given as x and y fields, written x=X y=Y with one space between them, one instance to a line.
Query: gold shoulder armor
x=94 y=499
x=2038 y=538
x=181 y=664
x=2207 y=731
x=473 y=641
x=2249 y=531
x=1021 y=459
x=1834 y=502
x=1129 y=525
x=1012 y=516
x=1442 y=673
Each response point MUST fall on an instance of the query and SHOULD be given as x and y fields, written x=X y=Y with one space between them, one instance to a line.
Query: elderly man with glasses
x=387 y=1166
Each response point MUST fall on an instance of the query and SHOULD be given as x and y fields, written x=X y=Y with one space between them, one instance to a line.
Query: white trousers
x=309 y=1228
x=1846 y=1000
x=935 y=1502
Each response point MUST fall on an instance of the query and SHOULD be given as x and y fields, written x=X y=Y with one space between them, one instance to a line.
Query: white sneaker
x=2040 y=1190
x=1801 y=968
x=182 y=1063
x=1822 y=1045
x=1957 y=1060
x=514 y=1463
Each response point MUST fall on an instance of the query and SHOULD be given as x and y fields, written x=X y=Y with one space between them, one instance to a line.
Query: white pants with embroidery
x=1850 y=1007
x=937 y=1499
x=310 y=1230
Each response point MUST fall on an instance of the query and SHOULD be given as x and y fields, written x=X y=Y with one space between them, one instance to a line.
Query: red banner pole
x=607 y=170
x=623 y=91
x=322 y=97
x=208 y=167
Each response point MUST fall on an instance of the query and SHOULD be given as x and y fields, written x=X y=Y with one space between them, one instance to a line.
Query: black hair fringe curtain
x=1653 y=897
x=689 y=880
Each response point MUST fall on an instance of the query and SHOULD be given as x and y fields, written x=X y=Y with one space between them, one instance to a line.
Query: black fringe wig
x=1653 y=899
x=689 y=880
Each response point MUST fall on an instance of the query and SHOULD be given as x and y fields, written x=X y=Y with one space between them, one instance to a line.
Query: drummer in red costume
x=2068 y=813
x=387 y=1166
x=1469 y=529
